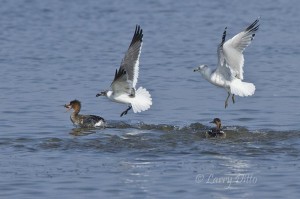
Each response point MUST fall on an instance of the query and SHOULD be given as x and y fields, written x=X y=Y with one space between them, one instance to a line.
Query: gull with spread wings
x=124 y=83
x=229 y=72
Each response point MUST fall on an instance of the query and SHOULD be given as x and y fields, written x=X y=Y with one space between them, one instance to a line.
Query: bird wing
x=130 y=62
x=121 y=83
x=90 y=120
x=234 y=47
x=223 y=69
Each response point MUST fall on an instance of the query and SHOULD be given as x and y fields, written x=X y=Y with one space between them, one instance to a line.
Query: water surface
x=55 y=51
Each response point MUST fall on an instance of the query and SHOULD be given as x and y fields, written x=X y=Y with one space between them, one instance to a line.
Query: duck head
x=218 y=123
x=75 y=104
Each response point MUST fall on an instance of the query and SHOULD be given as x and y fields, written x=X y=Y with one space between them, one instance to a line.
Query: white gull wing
x=121 y=84
x=233 y=49
x=222 y=75
x=223 y=70
x=130 y=62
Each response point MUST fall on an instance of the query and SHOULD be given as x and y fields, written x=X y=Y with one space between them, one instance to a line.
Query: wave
x=197 y=128
x=120 y=136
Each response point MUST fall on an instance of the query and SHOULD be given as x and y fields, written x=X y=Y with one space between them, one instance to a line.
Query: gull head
x=102 y=93
x=201 y=68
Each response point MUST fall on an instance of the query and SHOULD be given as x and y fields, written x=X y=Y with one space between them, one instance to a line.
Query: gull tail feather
x=242 y=89
x=142 y=100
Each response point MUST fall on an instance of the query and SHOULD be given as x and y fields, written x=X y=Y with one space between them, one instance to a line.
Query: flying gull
x=125 y=80
x=229 y=72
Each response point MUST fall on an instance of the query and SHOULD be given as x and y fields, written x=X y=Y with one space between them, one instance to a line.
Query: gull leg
x=233 y=98
x=126 y=111
x=226 y=102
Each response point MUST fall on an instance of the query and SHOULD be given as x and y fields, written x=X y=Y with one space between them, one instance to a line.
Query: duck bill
x=68 y=107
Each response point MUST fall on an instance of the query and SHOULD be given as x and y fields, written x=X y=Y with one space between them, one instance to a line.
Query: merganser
x=123 y=85
x=86 y=121
x=217 y=131
x=229 y=72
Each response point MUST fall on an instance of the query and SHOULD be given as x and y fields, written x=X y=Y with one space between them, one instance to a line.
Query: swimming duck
x=83 y=120
x=217 y=131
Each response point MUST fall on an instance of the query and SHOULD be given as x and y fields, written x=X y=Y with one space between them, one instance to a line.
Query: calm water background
x=55 y=51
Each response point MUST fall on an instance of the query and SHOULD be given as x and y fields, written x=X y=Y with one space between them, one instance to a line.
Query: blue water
x=52 y=52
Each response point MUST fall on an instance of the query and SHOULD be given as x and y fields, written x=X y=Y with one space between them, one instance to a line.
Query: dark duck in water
x=86 y=121
x=217 y=131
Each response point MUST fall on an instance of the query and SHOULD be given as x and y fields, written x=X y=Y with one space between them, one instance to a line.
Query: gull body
x=86 y=121
x=124 y=84
x=229 y=72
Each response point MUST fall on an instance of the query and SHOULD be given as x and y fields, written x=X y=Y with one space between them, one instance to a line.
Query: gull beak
x=212 y=122
x=196 y=69
x=103 y=93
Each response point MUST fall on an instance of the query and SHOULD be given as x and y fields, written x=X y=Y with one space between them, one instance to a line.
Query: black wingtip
x=254 y=26
x=224 y=36
x=119 y=73
x=137 y=29
x=116 y=74
x=139 y=32
x=138 y=35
